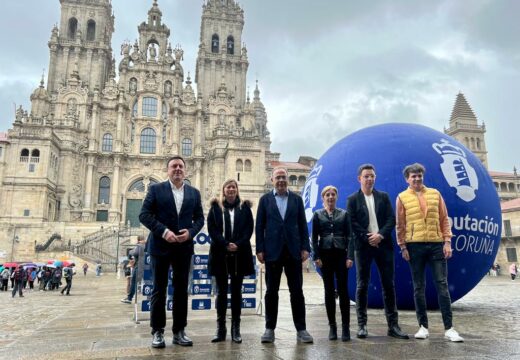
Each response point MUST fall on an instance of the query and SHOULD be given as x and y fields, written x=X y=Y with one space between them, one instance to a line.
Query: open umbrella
x=67 y=263
x=30 y=265
x=51 y=266
x=58 y=263
x=10 y=265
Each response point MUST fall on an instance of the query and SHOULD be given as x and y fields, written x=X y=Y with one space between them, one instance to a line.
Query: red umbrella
x=50 y=261
x=10 y=265
x=67 y=263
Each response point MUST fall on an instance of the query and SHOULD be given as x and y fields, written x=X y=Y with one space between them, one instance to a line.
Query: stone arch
x=91 y=30
x=511 y=187
x=503 y=187
x=215 y=43
x=239 y=165
x=72 y=28
x=230 y=45
x=301 y=180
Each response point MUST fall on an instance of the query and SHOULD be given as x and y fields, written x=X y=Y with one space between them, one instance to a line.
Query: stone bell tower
x=221 y=58
x=82 y=42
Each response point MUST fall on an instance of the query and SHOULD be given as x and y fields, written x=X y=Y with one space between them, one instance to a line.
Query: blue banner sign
x=200 y=259
x=247 y=303
x=201 y=289
x=201 y=304
x=250 y=277
x=145 y=305
x=248 y=288
x=200 y=274
x=147 y=290
x=147 y=274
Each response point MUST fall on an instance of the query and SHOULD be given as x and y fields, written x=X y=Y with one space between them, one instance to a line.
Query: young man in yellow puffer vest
x=424 y=236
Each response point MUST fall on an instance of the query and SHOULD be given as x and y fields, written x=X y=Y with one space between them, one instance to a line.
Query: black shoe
x=235 y=332
x=220 y=335
x=304 y=337
x=345 y=334
x=333 y=332
x=158 y=340
x=362 y=332
x=180 y=338
x=268 y=336
x=396 y=332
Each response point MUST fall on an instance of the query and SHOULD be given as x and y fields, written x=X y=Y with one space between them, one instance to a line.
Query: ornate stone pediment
x=151 y=83
x=110 y=92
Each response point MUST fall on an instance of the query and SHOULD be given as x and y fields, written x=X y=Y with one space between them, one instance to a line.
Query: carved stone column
x=88 y=212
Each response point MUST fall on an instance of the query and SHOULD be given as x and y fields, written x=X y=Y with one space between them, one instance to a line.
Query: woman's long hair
x=226 y=183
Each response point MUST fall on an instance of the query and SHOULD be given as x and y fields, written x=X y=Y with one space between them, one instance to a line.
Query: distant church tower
x=221 y=59
x=82 y=42
x=465 y=128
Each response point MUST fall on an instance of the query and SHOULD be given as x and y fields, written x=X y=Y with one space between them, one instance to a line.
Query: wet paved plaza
x=93 y=324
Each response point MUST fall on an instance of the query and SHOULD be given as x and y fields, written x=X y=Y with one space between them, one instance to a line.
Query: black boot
x=235 y=331
x=345 y=335
x=333 y=332
x=220 y=334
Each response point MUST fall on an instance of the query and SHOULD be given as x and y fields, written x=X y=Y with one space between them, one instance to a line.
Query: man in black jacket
x=172 y=211
x=373 y=220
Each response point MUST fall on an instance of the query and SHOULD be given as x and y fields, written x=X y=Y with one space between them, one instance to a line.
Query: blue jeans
x=431 y=254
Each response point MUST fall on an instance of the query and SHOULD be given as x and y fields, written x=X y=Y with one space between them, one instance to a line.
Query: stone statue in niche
x=153 y=52
x=132 y=87
x=167 y=89
x=72 y=107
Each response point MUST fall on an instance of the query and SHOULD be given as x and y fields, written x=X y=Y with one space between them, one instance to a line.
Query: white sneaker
x=453 y=335
x=423 y=333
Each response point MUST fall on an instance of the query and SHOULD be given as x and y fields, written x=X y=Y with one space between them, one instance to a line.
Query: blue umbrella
x=58 y=263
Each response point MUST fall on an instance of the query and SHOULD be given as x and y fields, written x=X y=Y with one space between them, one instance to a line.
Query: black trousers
x=384 y=259
x=334 y=266
x=273 y=274
x=180 y=262
x=236 y=281
x=67 y=286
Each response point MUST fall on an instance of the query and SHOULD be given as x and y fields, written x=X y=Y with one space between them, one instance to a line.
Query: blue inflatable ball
x=470 y=196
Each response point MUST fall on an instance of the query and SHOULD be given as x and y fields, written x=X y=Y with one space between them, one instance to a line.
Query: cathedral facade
x=92 y=143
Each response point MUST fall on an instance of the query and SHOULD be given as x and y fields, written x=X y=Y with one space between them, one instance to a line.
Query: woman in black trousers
x=230 y=226
x=333 y=255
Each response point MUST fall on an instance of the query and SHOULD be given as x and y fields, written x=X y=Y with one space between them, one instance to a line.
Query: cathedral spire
x=257 y=92
x=462 y=111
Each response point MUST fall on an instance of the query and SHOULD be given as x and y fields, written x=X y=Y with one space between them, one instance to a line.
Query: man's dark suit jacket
x=358 y=211
x=159 y=212
x=273 y=232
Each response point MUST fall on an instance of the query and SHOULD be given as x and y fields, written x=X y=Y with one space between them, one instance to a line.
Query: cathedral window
x=104 y=190
x=247 y=165
x=73 y=28
x=137 y=186
x=186 y=147
x=478 y=144
x=293 y=180
x=148 y=141
x=91 y=30
x=511 y=187
x=24 y=155
x=301 y=180
x=214 y=44
x=239 y=165
x=35 y=156
x=230 y=45
x=107 y=143
x=149 y=106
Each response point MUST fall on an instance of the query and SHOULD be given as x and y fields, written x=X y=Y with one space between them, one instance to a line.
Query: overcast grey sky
x=327 y=68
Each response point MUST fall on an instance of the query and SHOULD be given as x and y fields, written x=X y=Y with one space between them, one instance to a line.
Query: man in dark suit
x=373 y=221
x=172 y=211
x=282 y=242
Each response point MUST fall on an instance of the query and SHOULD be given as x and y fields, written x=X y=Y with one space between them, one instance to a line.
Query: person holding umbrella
x=4 y=276
x=18 y=276
x=68 y=272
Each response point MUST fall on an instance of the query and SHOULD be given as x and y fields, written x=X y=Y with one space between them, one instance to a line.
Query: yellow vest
x=418 y=227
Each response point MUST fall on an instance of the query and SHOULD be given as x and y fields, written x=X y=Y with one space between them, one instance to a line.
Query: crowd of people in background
x=47 y=277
